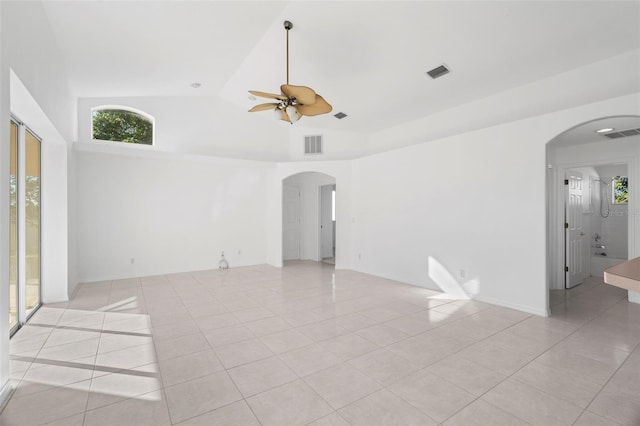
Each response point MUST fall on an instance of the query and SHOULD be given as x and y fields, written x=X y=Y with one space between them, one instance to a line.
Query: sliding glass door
x=25 y=221
x=32 y=221
x=13 y=228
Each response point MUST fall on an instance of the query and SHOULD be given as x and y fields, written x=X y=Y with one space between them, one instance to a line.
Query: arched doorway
x=586 y=234
x=308 y=217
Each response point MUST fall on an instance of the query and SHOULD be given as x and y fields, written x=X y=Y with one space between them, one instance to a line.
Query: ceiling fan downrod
x=287 y=26
x=294 y=101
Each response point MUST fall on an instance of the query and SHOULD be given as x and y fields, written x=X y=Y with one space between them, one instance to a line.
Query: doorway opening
x=328 y=224
x=589 y=196
x=308 y=218
x=596 y=218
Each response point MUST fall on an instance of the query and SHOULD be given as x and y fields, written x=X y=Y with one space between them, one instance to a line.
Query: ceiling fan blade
x=319 y=107
x=285 y=117
x=303 y=94
x=264 y=107
x=267 y=95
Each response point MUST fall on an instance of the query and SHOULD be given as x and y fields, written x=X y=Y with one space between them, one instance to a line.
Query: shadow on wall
x=448 y=284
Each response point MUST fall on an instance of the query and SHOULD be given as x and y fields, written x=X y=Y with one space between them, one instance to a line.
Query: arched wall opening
x=308 y=217
x=581 y=164
x=315 y=175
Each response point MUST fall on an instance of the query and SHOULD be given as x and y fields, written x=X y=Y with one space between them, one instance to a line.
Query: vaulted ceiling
x=367 y=58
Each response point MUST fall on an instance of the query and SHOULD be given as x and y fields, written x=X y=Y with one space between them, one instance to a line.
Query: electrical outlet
x=133 y=260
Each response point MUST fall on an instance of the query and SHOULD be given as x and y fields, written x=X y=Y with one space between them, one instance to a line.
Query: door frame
x=309 y=182
x=21 y=312
x=557 y=200
x=568 y=254
x=334 y=225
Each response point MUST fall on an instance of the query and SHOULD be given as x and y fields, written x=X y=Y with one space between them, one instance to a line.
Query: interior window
x=620 y=190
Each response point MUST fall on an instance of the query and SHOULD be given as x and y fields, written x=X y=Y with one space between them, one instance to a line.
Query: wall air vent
x=438 y=71
x=622 y=134
x=313 y=144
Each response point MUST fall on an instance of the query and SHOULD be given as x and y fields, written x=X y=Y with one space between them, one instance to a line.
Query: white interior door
x=574 y=231
x=326 y=221
x=291 y=222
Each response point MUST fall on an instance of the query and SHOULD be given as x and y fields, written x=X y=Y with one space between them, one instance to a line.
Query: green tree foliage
x=122 y=126
x=621 y=190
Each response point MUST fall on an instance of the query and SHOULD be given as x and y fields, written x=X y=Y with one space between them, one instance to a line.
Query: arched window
x=121 y=124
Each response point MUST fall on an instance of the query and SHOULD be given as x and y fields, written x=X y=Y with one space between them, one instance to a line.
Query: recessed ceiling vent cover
x=622 y=134
x=313 y=144
x=438 y=71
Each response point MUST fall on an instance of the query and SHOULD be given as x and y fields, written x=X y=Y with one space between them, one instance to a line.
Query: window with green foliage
x=620 y=190
x=121 y=125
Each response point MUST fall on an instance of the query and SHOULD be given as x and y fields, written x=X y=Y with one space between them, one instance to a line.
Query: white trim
x=22 y=233
x=516 y=306
x=151 y=152
x=5 y=394
x=492 y=301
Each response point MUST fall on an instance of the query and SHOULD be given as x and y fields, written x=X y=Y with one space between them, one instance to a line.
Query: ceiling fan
x=295 y=101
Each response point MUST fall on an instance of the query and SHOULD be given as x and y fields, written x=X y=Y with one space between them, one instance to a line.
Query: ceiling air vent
x=340 y=115
x=313 y=144
x=438 y=71
x=622 y=134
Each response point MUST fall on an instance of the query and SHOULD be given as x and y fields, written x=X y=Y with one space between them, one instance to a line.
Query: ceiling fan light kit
x=294 y=101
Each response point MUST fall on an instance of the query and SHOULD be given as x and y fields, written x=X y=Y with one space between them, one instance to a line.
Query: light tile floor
x=309 y=345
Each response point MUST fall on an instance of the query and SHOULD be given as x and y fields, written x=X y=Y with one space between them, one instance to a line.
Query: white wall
x=614 y=227
x=5 y=387
x=201 y=126
x=309 y=184
x=56 y=284
x=472 y=202
x=169 y=213
x=41 y=98
x=336 y=144
x=36 y=59
x=33 y=86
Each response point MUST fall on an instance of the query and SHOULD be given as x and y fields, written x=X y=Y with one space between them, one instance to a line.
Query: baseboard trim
x=5 y=394
x=517 y=307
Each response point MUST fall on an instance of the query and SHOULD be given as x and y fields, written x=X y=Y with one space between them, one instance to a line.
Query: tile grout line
x=605 y=384
x=346 y=362
x=86 y=405
x=538 y=356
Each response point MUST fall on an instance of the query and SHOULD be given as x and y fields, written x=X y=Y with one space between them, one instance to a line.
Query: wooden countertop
x=625 y=275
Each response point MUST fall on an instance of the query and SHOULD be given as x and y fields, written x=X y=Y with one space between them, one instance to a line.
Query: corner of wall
x=4 y=210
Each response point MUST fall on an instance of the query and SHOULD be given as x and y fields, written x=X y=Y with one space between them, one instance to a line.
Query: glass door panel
x=32 y=221
x=13 y=228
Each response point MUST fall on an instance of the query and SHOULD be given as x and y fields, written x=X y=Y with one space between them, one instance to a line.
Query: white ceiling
x=587 y=132
x=367 y=58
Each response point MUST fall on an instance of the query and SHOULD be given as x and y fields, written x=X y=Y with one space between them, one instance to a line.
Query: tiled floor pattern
x=300 y=345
